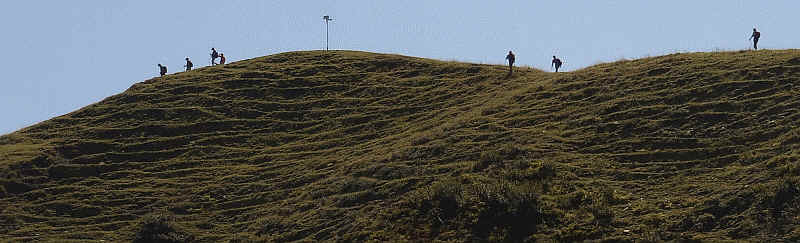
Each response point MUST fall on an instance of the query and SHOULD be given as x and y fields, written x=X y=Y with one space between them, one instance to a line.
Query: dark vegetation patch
x=160 y=228
x=495 y=211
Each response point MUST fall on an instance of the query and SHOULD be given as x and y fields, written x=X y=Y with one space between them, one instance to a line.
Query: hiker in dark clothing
x=510 y=57
x=755 y=37
x=221 y=59
x=556 y=62
x=214 y=56
x=188 y=65
x=162 y=69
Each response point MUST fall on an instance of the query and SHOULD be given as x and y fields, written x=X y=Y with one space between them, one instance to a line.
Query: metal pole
x=326 y=35
x=327 y=30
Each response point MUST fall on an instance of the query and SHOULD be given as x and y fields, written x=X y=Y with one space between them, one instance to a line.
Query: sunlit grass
x=356 y=146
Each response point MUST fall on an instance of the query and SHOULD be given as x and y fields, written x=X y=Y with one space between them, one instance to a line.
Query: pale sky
x=63 y=55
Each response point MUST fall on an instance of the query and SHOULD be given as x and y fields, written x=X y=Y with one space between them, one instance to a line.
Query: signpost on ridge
x=326 y=18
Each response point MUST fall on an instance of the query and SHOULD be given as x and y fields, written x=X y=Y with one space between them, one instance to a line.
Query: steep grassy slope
x=359 y=146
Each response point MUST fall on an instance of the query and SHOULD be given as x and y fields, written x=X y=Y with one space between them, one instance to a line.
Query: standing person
x=755 y=37
x=510 y=57
x=214 y=56
x=556 y=62
x=162 y=69
x=221 y=58
x=188 y=65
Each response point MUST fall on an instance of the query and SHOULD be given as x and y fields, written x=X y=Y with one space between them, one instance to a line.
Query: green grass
x=355 y=146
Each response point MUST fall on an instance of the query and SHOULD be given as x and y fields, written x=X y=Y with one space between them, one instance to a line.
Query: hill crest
x=358 y=146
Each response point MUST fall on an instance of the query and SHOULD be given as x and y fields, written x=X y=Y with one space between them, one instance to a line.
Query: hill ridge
x=356 y=146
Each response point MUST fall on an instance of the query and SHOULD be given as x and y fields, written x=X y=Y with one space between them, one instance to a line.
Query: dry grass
x=354 y=146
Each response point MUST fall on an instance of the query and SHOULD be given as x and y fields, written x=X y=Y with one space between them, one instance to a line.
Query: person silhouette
x=162 y=69
x=755 y=36
x=214 y=56
x=511 y=58
x=188 y=65
x=221 y=58
x=556 y=62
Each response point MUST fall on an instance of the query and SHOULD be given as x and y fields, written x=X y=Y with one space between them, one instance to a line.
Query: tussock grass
x=355 y=146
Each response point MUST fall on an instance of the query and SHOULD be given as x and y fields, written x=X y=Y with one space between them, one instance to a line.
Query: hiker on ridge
x=556 y=62
x=510 y=57
x=755 y=37
x=162 y=69
x=214 y=56
x=221 y=58
x=188 y=65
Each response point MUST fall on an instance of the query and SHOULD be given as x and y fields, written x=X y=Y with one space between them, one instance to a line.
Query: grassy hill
x=354 y=146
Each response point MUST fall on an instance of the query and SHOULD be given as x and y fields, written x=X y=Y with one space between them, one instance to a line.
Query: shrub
x=181 y=207
x=487 y=159
x=495 y=210
x=791 y=168
x=511 y=208
x=573 y=200
x=547 y=169
x=602 y=213
x=510 y=151
x=600 y=207
x=441 y=199
x=608 y=195
x=784 y=192
x=159 y=228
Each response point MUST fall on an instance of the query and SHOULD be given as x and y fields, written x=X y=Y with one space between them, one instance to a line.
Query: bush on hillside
x=784 y=191
x=506 y=212
x=547 y=169
x=159 y=228
x=487 y=159
x=442 y=200
x=496 y=210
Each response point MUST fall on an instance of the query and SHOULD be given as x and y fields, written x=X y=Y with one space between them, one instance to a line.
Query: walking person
x=162 y=69
x=188 y=65
x=511 y=58
x=755 y=36
x=214 y=56
x=556 y=63
x=221 y=58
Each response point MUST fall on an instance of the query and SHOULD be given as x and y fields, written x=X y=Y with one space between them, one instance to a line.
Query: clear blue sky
x=63 y=55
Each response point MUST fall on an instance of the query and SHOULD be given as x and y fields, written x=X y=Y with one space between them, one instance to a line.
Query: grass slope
x=354 y=146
